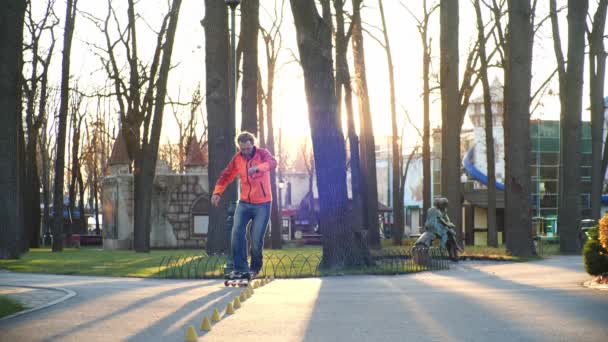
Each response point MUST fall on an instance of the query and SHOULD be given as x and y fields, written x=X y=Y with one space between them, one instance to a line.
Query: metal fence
x=301 y=265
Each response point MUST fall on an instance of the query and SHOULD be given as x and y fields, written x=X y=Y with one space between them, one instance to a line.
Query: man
x=253 y=165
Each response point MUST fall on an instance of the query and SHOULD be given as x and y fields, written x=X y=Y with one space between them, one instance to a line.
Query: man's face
x=246 y=148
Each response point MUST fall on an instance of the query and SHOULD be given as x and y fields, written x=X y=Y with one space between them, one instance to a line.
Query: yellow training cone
x=205 y=324
x=255 y=285
x=249 y=292
x=216 y=316
x=229 y=309
x=191 y=335
x=236 y=303
x=243 y=296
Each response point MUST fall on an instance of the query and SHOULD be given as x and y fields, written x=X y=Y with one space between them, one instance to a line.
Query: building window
x=201 y=224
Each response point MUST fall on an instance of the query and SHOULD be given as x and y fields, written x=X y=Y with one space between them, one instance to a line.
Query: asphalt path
x=473 y=301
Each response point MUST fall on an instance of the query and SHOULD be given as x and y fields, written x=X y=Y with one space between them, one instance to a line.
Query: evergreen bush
x=595 y=257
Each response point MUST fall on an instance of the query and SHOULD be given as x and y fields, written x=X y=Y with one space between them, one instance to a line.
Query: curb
x=68 y=294
x=592 y=284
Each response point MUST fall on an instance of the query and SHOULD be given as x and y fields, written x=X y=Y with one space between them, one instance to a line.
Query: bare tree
x=76 y=176
x=138 y=96
x=423 y=30
x=517 y=129
x=221 y=125
x=145 y=165
x=35 y=89
x=571 y=87
x=342 y=246
x=70 y=19
x=597 y=75
x=451 y=117
x=250 y=21
x=11 y=60
x=397 y=198
x=343 y=82
x=489 y=130
x=369 y=185
x=273 y=42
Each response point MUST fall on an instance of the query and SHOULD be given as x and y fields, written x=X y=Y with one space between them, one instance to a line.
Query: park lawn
x=99 y=262
x=9 y=306
x=92 y=261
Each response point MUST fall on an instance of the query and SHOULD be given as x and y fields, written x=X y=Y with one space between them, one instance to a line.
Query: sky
x=290 y=101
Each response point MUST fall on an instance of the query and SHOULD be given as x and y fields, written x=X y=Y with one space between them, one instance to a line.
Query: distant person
x=253 y=165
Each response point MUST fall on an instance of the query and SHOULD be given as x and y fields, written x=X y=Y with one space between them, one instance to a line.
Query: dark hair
x=244 y=137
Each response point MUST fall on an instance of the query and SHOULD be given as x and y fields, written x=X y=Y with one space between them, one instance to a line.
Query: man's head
x=440 y=203
x=246 y=143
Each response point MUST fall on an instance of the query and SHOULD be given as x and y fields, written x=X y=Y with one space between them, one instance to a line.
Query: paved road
x=474 y=301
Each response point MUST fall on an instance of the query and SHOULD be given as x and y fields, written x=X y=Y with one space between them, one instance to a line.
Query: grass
x=92 y=261
x=9 y=306
x=191 y=263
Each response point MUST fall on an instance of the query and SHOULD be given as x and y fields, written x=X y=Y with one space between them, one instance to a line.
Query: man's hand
x=253 y=170
x=215 y=200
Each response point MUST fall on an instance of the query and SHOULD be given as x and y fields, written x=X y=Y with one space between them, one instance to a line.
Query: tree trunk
x=569 y=211
x=597 y=74
x=517 y=130
x=75 y=169
x=275 y=215
x=451 y=121
x=58 y=234
x=489 y=130
x=261 y=116
x=341 y=246
x=221 y=123
x=397 y=228
x=250 y=23
x=343 y=82
x=11 y=218
x=426 y=131
x=369 y=185
x=144 y=180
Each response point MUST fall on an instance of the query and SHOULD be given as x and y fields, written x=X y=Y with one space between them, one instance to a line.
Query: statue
x=438 y=225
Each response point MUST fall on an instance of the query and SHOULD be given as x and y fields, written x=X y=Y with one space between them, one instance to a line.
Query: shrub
x=596 y=258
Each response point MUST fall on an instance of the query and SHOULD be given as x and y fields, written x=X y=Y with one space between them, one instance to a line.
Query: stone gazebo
x=180 y=202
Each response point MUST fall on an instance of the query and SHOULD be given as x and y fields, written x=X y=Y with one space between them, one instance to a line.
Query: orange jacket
x=255 y=188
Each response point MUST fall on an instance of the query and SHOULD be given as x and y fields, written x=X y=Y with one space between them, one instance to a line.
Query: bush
x=596 y=258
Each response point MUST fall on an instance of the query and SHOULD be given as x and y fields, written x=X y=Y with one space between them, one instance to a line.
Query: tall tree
x=273 y=43
x=423 y=30
x=221 y=123
x=11 y=218
x=517 y=129
x=35 y=89
x=145 y=163
x=489 y=129
x=369 y=184
x=70 y=20
x=343 y=82
x=597 y=75
x=76 y=177
x=451 y=117
x=397 y=197
x=342 y=247
x=250 y=22
x=569 y=211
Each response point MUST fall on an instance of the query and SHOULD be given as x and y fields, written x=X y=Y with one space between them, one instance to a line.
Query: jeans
x=259 y=214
